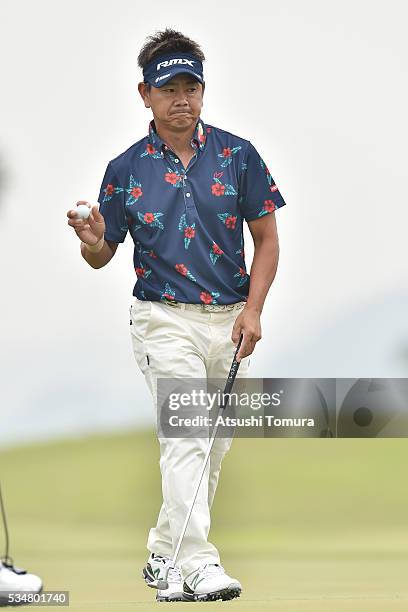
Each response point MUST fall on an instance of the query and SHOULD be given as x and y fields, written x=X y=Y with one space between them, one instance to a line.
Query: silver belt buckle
x=213 y=307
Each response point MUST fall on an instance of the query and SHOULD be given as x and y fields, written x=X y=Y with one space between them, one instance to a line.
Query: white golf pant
x=182 y=341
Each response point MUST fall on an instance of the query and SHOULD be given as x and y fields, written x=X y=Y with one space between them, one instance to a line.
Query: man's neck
x=178 y=141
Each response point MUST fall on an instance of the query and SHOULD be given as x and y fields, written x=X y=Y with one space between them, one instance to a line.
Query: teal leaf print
x=220 y=189
x=110 y=190
x=173 y=177
x=209 y=297
x=230 y=190
x=151 y=218
x=228 y=220
x=142 y=272
x=151 y=152
x=189 y=231
x=134 y=190
x=182 y=269
x=268 y=207
x=272 y=185
x=241 y=250
x=168 y=293
x=150 y=253
x=242 y=277
x=227 y=155
x=215 y=253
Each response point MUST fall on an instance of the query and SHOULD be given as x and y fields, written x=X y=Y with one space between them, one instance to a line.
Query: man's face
x=177 y=104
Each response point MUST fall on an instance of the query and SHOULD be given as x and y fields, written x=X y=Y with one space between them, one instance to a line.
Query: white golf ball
x=82 y=210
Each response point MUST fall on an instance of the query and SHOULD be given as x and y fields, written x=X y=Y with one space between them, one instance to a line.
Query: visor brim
x=173 y=72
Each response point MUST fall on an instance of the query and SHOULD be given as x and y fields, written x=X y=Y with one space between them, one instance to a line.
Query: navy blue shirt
x=186 y=223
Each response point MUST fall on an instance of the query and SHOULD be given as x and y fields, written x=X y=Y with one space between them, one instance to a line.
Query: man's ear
x=142 y=90
x=140 y=87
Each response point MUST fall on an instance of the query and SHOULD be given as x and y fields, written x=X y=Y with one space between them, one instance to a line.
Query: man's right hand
x=91 y=230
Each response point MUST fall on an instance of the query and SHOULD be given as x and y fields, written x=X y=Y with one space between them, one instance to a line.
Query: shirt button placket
x=188 y=198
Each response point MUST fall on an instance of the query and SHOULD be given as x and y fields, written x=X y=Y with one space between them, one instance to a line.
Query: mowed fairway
x=307 y=525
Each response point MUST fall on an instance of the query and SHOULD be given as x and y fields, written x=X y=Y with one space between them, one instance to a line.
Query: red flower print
x=230 y=222
x=181 y=268
x=152 y=254
x=216 y=249
x=269 y=205
x=148 y=217
x=168 y=296
x=171 y=177
x=218 y=174
x=208 y=130
x=274 y=188
x=227 y=152
x=206 y=297
x=136 y=192
x=109 y=189
x=217 y=189
x=140 y=272
x=150 y=149
x=242 y=272
x=189 y=232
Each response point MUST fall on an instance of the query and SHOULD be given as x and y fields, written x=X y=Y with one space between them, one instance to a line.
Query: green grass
x=304 y=524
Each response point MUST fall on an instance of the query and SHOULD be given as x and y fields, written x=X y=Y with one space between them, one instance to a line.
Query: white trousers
x=170 y=341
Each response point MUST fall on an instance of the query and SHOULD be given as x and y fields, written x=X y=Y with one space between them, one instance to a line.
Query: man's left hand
x=247 y=323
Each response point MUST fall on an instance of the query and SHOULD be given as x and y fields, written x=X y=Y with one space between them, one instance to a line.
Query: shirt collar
x=198 y=140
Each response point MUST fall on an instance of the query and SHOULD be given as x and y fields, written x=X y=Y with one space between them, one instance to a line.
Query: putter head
x=161 y=584
x=158 y=584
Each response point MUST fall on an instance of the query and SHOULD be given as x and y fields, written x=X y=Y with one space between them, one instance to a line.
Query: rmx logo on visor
x=165 y=67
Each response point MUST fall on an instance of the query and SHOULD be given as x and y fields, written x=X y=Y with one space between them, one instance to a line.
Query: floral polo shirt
x=186 y=223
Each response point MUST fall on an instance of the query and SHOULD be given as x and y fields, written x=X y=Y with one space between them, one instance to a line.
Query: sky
x=319 y=88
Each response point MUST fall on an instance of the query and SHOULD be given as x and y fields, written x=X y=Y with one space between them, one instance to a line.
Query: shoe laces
x=160 y=559
x=212 y=568
x=174 y=574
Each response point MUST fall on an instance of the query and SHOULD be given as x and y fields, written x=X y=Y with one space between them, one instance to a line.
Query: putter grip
x=234 y=368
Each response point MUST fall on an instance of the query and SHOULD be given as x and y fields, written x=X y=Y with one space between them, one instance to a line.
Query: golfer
x=16 y=584
x=182 y=192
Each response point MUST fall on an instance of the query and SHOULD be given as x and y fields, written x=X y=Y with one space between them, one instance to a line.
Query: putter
x=7 y=561
x=163 y=584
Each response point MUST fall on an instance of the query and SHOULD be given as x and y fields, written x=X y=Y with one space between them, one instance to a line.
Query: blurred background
x=329 y=120
x=320 y=89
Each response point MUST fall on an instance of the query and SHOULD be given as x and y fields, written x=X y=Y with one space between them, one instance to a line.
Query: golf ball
x=82 y=211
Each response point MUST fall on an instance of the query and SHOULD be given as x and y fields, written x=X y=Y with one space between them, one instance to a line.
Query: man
x=182 y=193
x=15 y=583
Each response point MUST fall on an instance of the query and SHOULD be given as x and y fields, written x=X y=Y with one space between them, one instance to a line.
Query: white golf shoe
x=16 y=581
x=155 y=570
x=209 y=583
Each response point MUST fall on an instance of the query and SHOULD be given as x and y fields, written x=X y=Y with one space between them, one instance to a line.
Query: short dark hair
x=168 y=41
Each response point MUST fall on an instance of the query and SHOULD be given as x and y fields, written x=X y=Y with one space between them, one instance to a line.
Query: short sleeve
x=258 y=193
x=112 y=206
